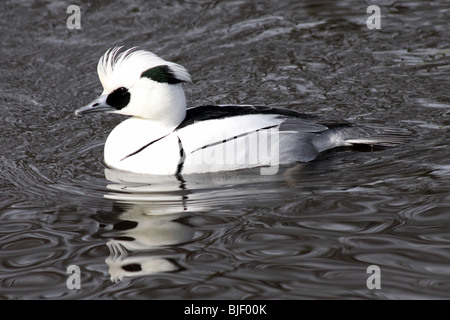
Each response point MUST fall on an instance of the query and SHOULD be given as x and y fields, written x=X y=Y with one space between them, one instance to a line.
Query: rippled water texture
x=309 y=232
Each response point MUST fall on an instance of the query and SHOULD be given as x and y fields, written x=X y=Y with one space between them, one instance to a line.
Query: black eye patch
x=132 y=267
x=162 y=74
x=119 y=98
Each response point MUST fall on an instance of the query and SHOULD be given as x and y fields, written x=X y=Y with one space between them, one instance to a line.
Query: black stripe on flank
x=235 y=137
x=142 y=148
x=179 y=168
x=182 y=158
x=162 y=74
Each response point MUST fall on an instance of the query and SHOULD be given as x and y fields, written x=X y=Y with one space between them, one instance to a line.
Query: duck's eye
x=119 y=98
x=122 y=90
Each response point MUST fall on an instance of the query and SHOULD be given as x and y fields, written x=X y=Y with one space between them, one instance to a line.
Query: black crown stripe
x=162 y=74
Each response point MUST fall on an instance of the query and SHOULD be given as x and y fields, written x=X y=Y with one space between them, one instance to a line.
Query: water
x=309 y=232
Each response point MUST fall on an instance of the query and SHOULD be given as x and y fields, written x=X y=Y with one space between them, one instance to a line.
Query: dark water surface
x=309 y=232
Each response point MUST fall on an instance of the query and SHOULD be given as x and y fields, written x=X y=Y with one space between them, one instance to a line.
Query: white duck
x=164 y=137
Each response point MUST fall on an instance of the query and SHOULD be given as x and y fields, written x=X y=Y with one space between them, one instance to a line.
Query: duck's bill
x=98 y=105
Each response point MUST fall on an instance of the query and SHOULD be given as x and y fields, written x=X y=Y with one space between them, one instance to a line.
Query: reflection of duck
x=155 y=208
x=165 y=138
x=138 y=266
x=159 y=211
x=140 y=231
x=191 y=193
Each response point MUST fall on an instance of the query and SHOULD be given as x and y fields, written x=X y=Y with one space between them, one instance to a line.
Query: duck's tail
x=356 y=135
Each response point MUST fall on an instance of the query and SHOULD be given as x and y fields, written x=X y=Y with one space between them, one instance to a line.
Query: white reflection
x=154 y=208
x=138 y=266
x=139 y=232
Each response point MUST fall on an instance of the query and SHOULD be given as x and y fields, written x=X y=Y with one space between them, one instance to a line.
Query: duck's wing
x=244 y=133
x=208 y=126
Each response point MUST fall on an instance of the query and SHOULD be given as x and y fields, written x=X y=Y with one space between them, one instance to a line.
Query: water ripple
x=309 y=232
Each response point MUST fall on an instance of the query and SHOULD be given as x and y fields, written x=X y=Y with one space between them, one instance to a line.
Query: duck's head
x=139 y=83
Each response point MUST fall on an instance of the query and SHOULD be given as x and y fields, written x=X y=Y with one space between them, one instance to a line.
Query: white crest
x=125 y=68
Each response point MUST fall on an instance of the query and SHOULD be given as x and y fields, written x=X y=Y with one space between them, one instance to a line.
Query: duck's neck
x=165 y=107
x=171 y=120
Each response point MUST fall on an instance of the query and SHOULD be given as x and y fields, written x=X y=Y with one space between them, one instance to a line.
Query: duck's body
x=209 y=139
x=164 y=137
